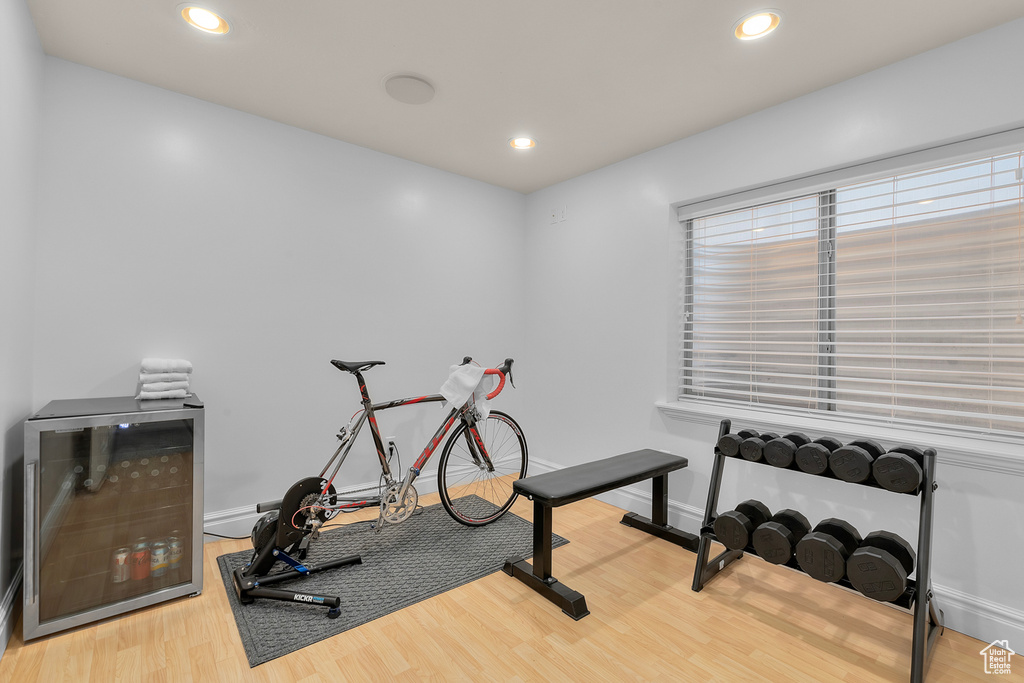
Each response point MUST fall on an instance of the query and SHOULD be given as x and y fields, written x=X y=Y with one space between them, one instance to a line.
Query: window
x=896 y=299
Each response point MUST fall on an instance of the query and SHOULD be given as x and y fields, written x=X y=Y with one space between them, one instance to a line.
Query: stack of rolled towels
x=161 y=378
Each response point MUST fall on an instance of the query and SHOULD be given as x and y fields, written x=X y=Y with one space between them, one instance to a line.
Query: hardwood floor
x=752 y=622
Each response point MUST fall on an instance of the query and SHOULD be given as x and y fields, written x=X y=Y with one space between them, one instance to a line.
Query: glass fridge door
x=115 y=514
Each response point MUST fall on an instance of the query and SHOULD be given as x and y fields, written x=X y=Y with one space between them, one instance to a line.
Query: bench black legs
x=542 y=540
x=658 y=523
x=538 y=576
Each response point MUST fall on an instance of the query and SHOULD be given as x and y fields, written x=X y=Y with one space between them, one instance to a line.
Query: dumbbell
x=900 y=470
x=776 y=539
x=752 y=448
x=729 y=444
x=853 y=461
x=823 y=553
x=813 y=457
x=880 y=566
x=733 y=528
x=780 y=451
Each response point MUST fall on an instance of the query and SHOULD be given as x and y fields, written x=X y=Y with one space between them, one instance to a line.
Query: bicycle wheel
x=469 y=492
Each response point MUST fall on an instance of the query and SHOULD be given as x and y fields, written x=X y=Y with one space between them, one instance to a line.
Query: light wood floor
x=752 y=622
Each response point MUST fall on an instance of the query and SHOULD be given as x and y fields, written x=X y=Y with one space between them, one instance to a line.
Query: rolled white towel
x=164 y=386
x=165 y=365
x=148 y=377
x=158 y=395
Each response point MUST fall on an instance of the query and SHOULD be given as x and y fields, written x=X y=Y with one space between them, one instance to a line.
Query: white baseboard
x=979 y=618
x=538 y=466
x=637 y=498
x=232 y=522
x=9 y=610
x=239 y=521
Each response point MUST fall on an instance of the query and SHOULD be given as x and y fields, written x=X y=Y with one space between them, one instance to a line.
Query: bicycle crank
x=396 y=511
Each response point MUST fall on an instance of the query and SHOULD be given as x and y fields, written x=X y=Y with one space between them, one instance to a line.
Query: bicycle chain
x=377 y=488
x=340 y=496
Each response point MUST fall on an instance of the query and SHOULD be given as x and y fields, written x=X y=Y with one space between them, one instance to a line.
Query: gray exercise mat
x=424 y=556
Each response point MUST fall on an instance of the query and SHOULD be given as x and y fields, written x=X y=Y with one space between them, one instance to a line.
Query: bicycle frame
x=348 y=434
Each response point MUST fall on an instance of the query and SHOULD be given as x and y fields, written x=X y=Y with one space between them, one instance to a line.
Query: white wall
x=21 y=74
x=172 y=227
x=601 y=294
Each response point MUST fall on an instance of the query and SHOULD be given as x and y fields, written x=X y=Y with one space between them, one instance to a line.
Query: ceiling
x=593 y=81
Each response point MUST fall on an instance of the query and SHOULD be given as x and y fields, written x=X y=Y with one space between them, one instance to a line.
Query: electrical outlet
x=561 y=213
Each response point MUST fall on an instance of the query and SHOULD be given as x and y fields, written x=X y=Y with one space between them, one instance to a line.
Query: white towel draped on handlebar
x=465 y=381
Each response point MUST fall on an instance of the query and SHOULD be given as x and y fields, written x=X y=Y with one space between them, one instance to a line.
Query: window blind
x=898 y=298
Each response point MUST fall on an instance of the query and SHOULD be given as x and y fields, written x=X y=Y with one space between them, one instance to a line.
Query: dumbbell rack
x=917 y=598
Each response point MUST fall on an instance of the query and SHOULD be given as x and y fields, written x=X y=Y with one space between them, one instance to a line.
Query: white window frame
x=997 y=452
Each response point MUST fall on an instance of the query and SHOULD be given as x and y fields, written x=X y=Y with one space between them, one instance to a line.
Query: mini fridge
x=113 y=508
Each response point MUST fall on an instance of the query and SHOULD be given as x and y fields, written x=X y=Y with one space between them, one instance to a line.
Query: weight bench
x=554 y=489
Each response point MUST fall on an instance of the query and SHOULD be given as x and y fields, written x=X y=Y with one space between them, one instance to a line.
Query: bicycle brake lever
x=506 y=368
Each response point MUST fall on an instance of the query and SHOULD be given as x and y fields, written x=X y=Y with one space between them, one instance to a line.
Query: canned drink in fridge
x=158 y=559
x=120 y=569
x=140 y=560
x=175 y=550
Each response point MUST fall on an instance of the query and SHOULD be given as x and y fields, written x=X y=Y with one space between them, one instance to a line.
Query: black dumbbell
x=780 y=451
x=823 y=552
x=752 y=449
x=880 y=566
x=813 y=457
x=900 y=470
x=729 y=444
x=776 y=539
x=733 y=528
x=853 y=461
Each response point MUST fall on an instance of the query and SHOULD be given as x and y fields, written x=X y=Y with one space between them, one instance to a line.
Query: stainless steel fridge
x=113 y=508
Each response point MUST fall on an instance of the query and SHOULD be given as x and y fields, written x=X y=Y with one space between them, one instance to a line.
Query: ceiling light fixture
x=204 y=20
x=522 y=143
x=757 y=25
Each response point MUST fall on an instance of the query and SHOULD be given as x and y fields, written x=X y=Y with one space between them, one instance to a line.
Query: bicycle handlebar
x=501 y=382
x=502 y=370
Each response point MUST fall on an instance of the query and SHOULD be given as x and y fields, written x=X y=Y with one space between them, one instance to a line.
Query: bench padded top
x=591 y=478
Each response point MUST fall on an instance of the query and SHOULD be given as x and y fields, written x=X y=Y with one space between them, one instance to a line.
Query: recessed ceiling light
x=408 y=88
x=204 y=20
x=757 y=25
x=522 y=143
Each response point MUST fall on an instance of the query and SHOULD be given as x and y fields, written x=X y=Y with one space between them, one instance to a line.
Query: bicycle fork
x=475 y=444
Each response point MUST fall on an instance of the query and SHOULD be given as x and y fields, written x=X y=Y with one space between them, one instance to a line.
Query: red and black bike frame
x=466 y=413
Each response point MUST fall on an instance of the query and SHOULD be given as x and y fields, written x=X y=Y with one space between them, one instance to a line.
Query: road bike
x=481 y=459
x=478 y=462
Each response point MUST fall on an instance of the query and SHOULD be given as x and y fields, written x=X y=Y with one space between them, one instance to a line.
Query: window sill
x=996 y=453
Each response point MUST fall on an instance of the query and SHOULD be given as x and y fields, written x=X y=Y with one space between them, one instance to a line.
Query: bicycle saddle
x=355 y=365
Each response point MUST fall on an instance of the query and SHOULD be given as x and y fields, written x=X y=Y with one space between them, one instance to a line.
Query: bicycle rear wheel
x=470 y=493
